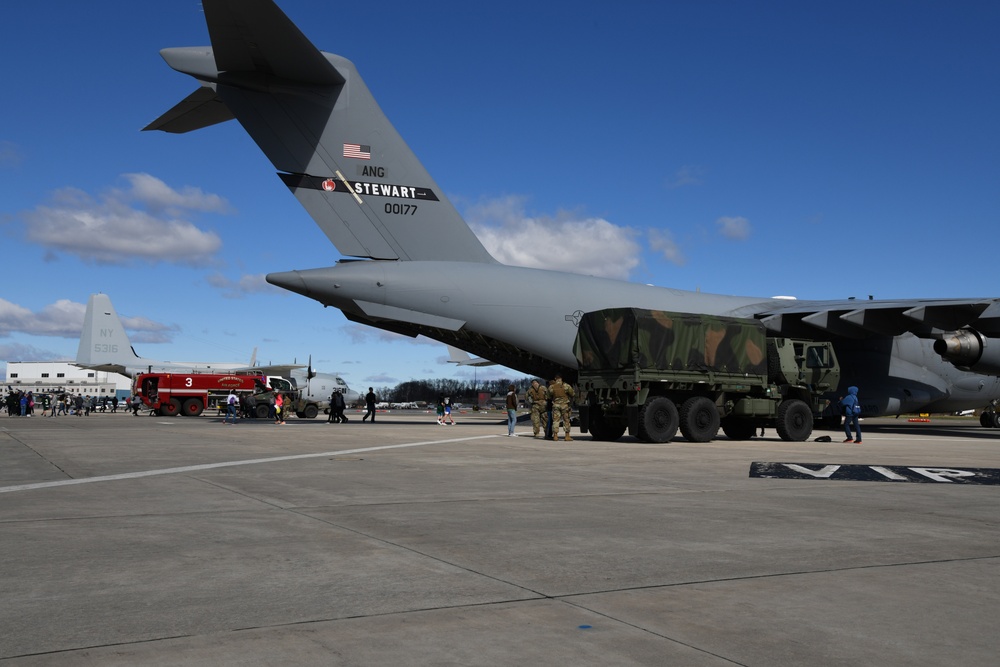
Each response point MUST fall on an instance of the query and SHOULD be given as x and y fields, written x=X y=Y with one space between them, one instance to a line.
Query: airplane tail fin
x=315 y=119
x=104 y=345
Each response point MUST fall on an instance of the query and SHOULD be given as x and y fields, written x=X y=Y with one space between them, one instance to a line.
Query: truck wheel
x=795 y=420
x=739 y=429
x=658 y=420
x=192 y=407
x=605 y=430
x=311 y=411
x=262 y=411
x=170 y=408
x=699 y=419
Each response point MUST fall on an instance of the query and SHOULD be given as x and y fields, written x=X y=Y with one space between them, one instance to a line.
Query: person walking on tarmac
x=447 y=418
x=279 y=411
x=341 y=406
x=562 y=411
x=332 y=419
x=337 y=407
x=232 y=401
x=370 y=400
x=539 y=410
x=851 y=408
x=511 y=410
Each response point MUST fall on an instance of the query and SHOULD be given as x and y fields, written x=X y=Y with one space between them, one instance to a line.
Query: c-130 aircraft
x=315 y=119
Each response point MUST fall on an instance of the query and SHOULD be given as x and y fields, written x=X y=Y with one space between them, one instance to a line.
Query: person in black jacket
x=370 y=400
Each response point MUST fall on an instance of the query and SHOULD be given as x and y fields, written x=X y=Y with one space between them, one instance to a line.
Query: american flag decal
x=358 y=151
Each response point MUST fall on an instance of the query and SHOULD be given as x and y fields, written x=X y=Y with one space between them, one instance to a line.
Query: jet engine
x=970 y=350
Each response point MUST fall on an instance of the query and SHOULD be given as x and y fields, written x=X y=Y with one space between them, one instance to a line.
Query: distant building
x=57 y=376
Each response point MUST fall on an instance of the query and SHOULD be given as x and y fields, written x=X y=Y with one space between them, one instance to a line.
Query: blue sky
x=814 y=149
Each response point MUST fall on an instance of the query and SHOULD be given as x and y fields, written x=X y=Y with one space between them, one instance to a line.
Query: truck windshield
x=818 y=357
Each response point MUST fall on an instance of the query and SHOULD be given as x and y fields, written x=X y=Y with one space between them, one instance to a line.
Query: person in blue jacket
x=851 y=408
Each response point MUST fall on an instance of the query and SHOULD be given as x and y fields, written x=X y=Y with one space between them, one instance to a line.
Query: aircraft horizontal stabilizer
x=462 y=358
x=199 y=109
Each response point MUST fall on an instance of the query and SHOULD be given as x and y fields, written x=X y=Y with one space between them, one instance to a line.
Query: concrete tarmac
x=182 y=541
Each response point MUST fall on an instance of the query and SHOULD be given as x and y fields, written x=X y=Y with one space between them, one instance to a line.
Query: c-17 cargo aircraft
x=105 y=346
x=313 y=116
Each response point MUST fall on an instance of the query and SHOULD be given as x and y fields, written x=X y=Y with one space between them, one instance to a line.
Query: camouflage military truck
x=651 y=372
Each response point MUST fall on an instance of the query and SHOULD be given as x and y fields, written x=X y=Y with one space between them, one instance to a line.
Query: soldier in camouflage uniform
x=539 y=411
x=562 y=409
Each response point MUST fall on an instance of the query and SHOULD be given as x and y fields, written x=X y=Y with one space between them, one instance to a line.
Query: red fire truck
x=189 y=393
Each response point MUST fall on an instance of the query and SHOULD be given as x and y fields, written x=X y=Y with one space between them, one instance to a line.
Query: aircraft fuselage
x=537 y=311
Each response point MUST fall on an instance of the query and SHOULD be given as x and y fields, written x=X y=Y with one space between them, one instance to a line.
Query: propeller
x=310 y=374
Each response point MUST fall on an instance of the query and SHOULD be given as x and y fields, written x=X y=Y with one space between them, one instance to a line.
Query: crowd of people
x=21 y=403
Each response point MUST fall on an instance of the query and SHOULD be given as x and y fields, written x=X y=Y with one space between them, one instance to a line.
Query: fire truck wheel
x=193 y=407
x=170 y=408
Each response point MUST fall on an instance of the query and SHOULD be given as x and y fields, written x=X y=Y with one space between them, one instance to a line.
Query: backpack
x=856 y=409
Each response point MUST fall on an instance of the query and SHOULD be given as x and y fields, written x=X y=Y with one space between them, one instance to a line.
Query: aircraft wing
x=281 y=370
x=926 y=318
x=966 y=332
x=104 y=368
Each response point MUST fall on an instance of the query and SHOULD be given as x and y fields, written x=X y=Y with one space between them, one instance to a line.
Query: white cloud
x=566 y=242
x=662 y=241
x=737 y=229
x=158 y=196
x=110 y=230
x=64 y=319
x=145 y=330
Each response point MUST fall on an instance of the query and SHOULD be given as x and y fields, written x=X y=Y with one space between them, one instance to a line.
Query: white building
x=49 y=377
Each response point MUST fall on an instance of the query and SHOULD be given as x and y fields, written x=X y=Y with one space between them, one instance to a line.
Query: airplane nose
x=289 y=280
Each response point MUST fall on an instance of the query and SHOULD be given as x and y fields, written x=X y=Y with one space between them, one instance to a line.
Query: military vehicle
x=653 y=371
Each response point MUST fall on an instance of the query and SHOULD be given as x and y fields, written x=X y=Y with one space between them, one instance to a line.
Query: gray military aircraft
x=105 y=346
x=315 y=119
